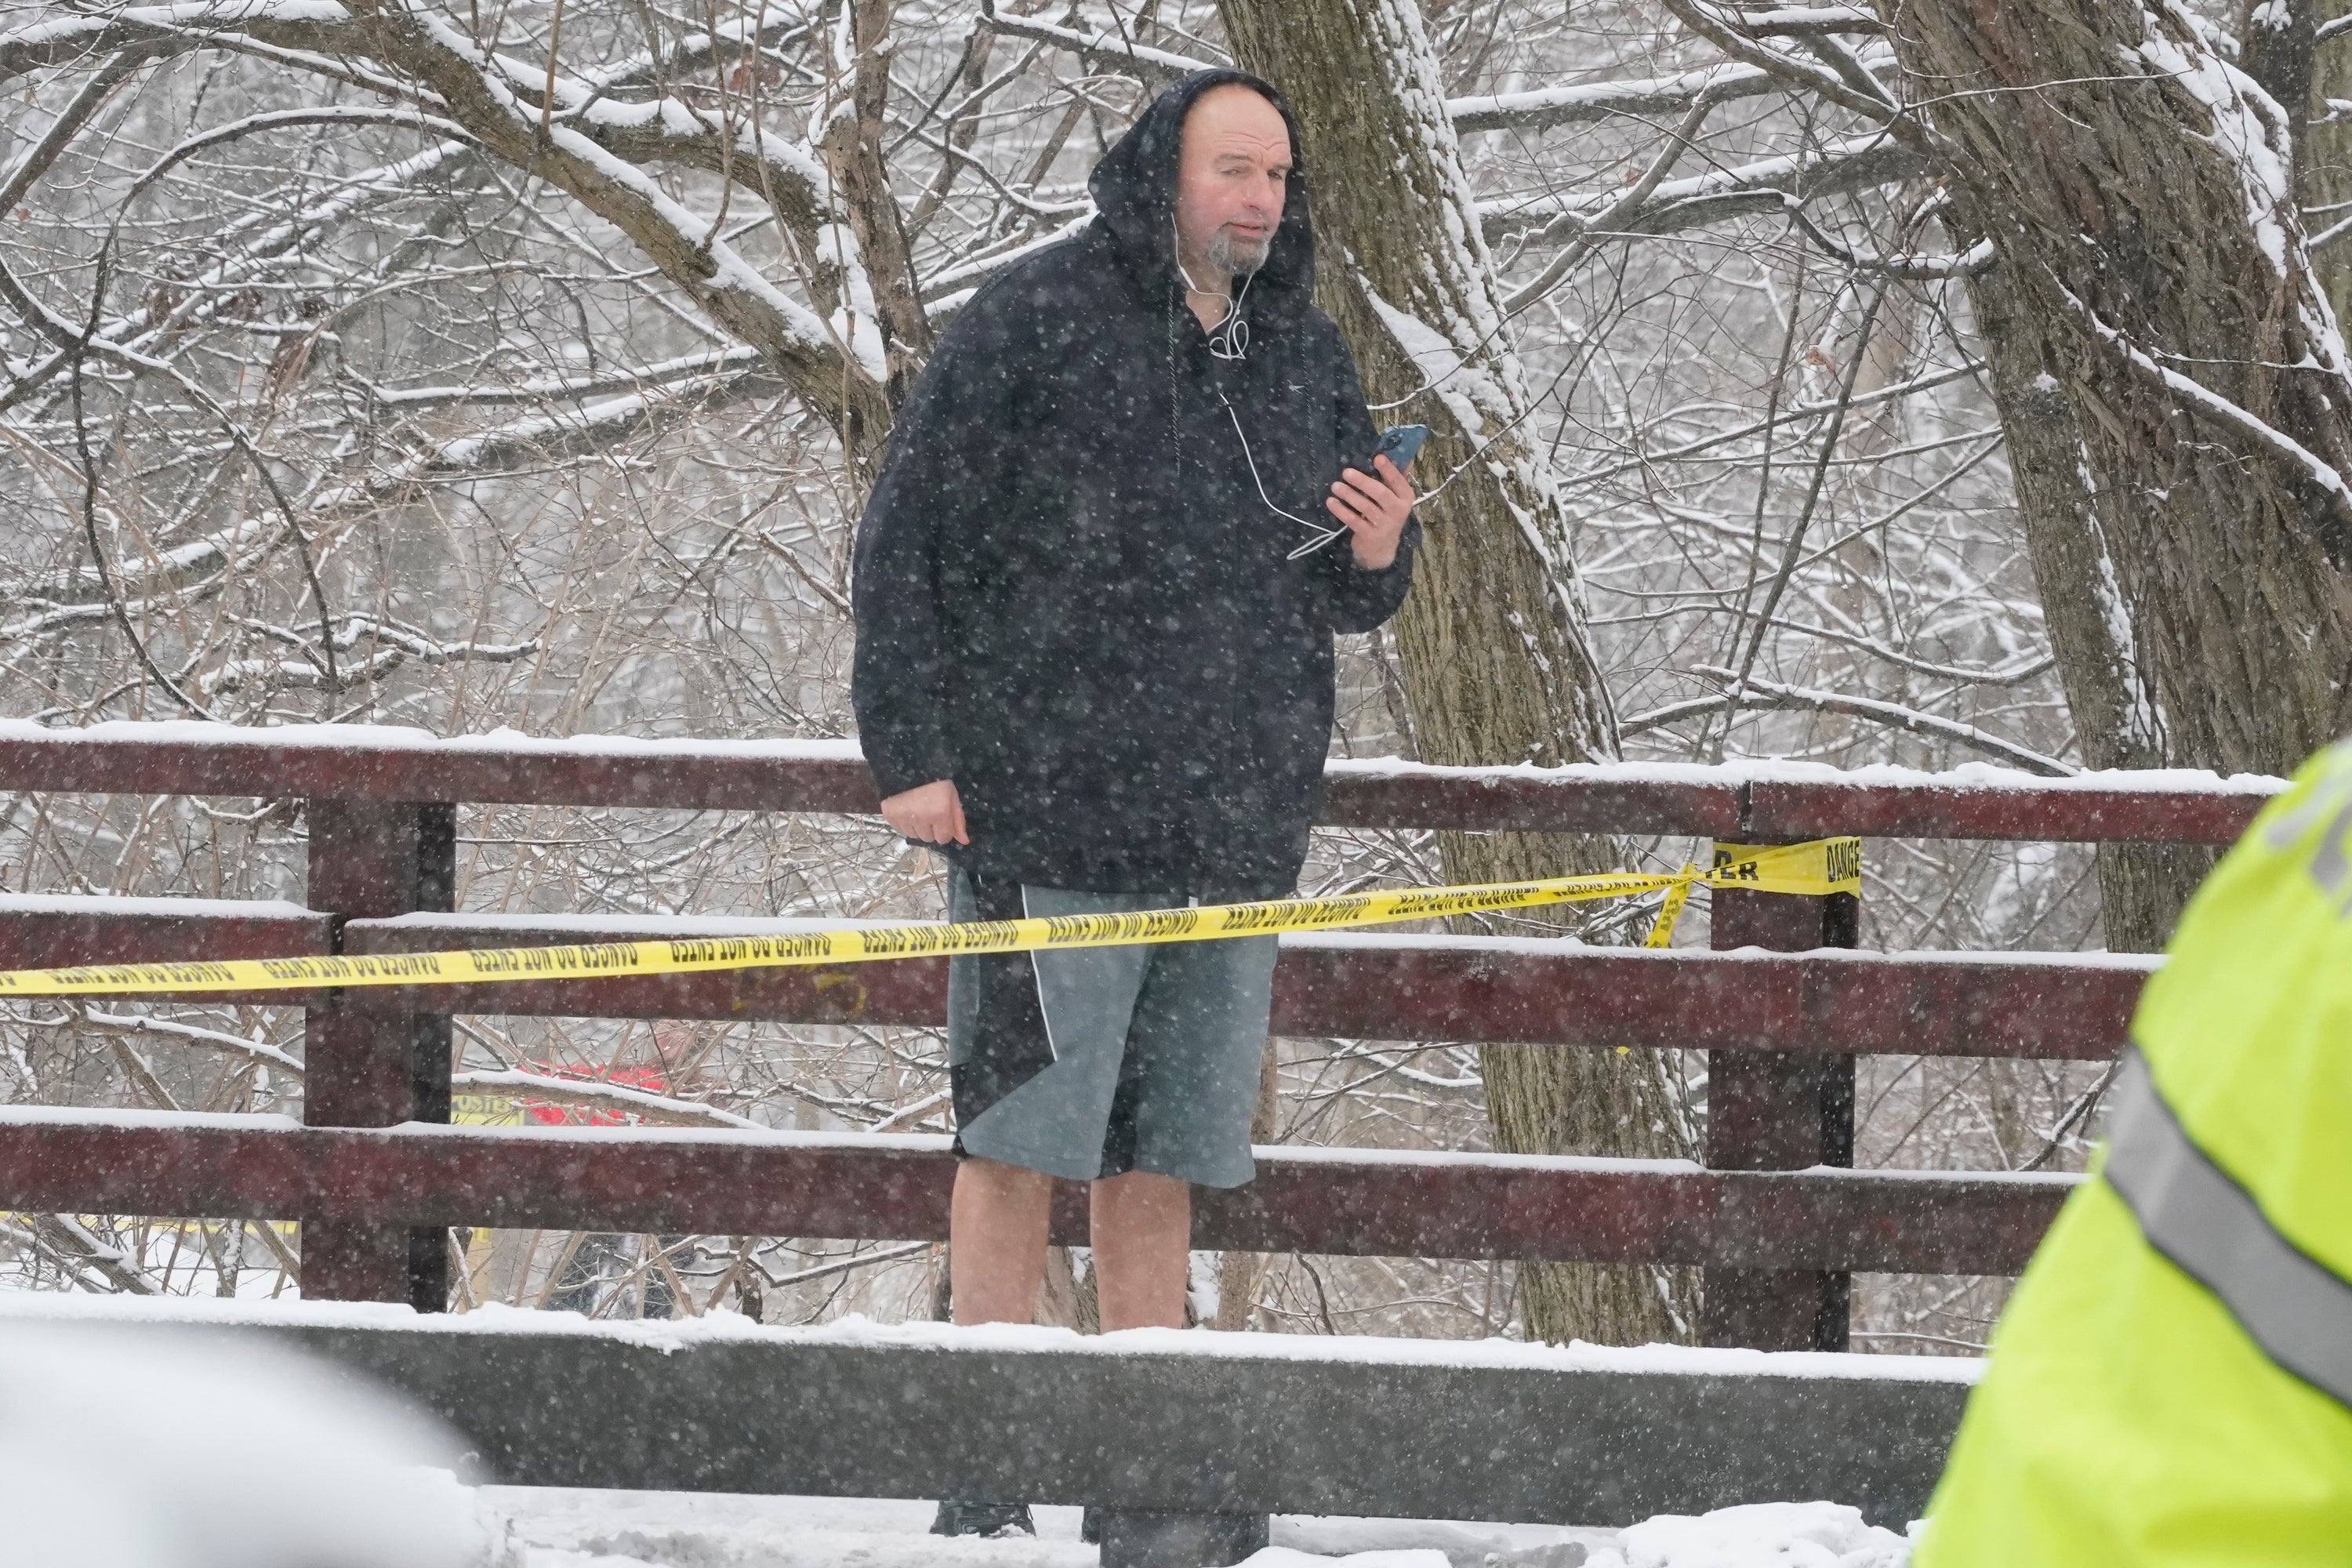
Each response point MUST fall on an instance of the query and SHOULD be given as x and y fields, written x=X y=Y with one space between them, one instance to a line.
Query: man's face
x=1232 y=170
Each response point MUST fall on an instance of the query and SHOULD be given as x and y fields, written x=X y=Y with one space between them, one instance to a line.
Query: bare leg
x=997 y=1249
x=1142 y=1233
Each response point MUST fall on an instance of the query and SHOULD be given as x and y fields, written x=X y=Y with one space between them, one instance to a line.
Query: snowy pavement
x=157 y=1445
x=532 y=1527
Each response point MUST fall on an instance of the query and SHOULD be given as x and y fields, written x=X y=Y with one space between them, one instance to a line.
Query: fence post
x=370 y=860
x=1779 y=1110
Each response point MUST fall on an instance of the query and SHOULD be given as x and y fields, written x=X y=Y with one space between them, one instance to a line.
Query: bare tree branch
x=1610 y=218
x=157 y=31
x=851 y=115
x=77 y=1246
x=845 y=389
x=1745 y=190
x=1155 y=67
x=592 y=1096
x=1733 y=34
x=1757 y=692
x=1536 y=108
x=1809 y=21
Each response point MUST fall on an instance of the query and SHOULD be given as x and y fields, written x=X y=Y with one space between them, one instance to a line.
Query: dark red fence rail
x=888 y=1188
x=1763 y=801
x=1774 y=1220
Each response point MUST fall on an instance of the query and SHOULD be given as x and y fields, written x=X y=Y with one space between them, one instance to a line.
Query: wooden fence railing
x=1775 y=1217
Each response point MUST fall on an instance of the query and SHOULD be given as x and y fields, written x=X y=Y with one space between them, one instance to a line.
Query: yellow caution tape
x=1662 y=930
x=1824 y=865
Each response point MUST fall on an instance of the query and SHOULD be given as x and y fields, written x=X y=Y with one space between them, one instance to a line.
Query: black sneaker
x=983 y=1518
x=1162 y=1540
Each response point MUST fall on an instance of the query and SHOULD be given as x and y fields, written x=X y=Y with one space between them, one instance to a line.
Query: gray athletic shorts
x=1090 y=1062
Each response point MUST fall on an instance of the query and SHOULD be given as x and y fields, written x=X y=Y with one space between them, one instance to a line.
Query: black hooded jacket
x=1071 y=598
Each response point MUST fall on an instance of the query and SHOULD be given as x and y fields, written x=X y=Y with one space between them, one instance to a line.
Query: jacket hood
x=1134 y=188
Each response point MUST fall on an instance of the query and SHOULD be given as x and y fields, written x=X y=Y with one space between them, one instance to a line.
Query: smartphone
x=1399 y=444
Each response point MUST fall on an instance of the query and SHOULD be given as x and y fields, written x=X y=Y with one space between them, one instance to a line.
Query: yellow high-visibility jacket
x=2172 y=1381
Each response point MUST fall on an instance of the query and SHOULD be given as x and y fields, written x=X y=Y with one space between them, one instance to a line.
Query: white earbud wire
x=1235 y=331
x=1324 y=534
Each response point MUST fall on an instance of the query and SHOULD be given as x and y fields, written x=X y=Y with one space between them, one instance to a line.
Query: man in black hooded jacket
x=1130 y=499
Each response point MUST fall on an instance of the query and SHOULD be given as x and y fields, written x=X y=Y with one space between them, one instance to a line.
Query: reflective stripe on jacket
x=2172 y=1381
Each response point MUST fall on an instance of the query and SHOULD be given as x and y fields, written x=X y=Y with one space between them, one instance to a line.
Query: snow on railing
x=1766 y=799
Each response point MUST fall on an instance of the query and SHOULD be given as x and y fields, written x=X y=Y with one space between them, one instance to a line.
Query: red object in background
x=541 y=1113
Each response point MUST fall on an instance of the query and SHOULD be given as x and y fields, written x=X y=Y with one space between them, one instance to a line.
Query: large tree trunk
x=1497 y=664
x=2324 y=159
x=2160 y=351
x=2094 y=628
x=853 y=117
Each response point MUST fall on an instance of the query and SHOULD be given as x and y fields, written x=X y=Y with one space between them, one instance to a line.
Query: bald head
x=1233 y=171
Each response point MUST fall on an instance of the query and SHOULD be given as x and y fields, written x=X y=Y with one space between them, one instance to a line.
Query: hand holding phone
x=1373 y=506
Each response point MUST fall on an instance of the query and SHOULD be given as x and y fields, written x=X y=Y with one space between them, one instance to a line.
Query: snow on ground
x=673 y=1335
x=552 y=1527
x=1760 y=1535
x=163 y=1449
x=160 y=1445
x=555 y=1528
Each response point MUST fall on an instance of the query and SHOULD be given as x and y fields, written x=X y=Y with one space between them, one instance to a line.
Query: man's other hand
x=933 y=813
x=1374 y=507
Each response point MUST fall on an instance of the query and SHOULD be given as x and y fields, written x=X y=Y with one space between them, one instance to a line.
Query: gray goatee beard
x=1236 y=259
